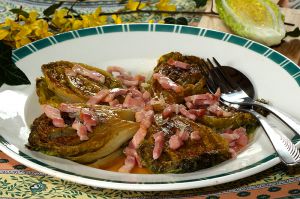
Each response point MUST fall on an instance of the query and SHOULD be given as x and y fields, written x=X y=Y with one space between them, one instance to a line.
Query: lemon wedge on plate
x=259 y=20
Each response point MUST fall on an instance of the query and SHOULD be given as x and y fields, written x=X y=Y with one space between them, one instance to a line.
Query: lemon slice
x=259 y=20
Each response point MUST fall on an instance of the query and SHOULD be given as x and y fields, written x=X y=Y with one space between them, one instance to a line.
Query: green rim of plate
x=265 y=51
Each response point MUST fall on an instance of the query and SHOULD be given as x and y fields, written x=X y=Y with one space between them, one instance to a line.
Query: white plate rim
x=266 y=163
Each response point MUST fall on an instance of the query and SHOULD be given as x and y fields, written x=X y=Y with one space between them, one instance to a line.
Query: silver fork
x=286 y=150
x=237 y=96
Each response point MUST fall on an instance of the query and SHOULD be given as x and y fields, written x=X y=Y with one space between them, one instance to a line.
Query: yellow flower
x=12 y=24
x=40 y=28
x=59 y=19
x=116 y=19
x=90 y=20
x=3 y=33
x=77 y=24
x=21 y=37
x=165 y=6
x=133 y=5
x=33 y=15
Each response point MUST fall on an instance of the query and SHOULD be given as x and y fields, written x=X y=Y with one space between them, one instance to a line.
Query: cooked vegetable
x=259 y=20
x=76 y=82
x=115 y=128
x=236 y=120
x=170 y=125
x=193 y=155
x=190 y=78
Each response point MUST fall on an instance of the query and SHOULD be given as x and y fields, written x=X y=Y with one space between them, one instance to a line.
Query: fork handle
x=288 y=120
x=285 y=149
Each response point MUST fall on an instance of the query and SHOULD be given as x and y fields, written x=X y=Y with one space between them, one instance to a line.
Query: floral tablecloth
x=19 y=181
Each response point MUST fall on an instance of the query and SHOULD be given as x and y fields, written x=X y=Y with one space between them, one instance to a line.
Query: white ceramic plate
x=137 y=48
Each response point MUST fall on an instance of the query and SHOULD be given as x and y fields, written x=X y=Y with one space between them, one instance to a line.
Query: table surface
x=19 y=181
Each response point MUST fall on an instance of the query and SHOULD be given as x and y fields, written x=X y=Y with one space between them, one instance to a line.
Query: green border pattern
x=267 y=52
x=278 y=58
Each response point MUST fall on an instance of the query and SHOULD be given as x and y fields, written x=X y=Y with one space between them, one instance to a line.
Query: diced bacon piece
x=116 y=69
x=114 y=93
x=232 y=144
x=89 y=118
x=158 y=144
x=130 y=83
x=148 y=119
x=128 y=164
x=186 y=113
x=202 y=99
x=145 y=117
x=178 y=64
x=54 y=114
x=243 y=138
x=175 y=142
x=197 y=112
x=195 y=135
x=68 y=108
x=146 y=96
x=114 y=103
x=98 y=97
x=233 y=152
x=139 y=115
x=89 y=73
x=139 y=136
x=58 y=122
x=167 y=83
x=135 y=92
x=182 y=134
x=230 y=137
x=168 y=111
x=136 y=103
x=190 y=105
x=218 y=111
x=69 y=72
x=81 y=130
x=131 y=151
x=218 y=94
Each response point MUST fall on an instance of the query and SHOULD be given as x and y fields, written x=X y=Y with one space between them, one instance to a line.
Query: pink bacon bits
x=139 y=136
x=237 y=139
x=115 y=92
x=89 y=73
x=158 y=144
x=68 y=108
x=135 y=103
x=81 y=130
x=128 y=165
x=195 y=135
x=116 y=69
x=98 y=97
x=145 y=118
x=167 y=83
x=202 y=99
x=175 y=142
x=127 y=79
x=178 y=64
x=131 y=151
x=54 y=114
x=218 y=111
x=186 y=113
x=89 y=118
x=182 y=134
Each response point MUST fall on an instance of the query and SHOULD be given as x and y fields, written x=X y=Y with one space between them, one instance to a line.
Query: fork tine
x=226 y=76
x=220 y=81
